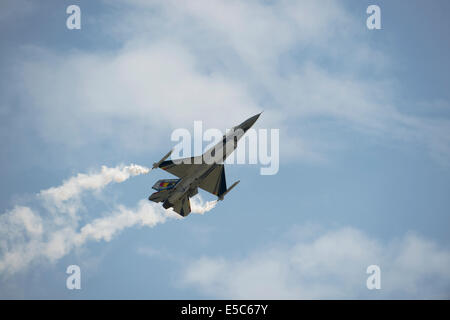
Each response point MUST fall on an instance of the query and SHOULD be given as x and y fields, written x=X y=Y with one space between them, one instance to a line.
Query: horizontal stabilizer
x=182 y=207
x=159 y=196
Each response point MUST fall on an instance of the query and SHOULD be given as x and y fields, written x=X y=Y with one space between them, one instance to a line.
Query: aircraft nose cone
x=247 y=124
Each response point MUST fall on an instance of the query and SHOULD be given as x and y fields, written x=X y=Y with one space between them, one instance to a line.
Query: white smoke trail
x=146 y=214
x=201 y=207
x=81 y=182
x=28 y=236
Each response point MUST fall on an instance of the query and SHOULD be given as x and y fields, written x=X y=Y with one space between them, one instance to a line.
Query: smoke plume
x=81 y=182
x=29 y=234
x=198 y=206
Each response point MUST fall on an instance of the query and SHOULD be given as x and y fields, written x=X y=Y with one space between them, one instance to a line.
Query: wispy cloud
x=297 y=60
x=329 y=265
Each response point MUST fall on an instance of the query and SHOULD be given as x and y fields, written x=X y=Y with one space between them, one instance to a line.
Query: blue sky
x=364 y=147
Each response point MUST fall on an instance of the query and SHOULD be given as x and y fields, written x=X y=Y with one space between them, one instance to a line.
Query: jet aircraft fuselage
x=206 y=172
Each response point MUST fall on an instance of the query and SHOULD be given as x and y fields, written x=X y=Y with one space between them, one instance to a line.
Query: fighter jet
x=206 y=172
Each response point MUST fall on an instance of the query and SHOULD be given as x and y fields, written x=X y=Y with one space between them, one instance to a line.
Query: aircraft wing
x=215 y=182
x=179 y=169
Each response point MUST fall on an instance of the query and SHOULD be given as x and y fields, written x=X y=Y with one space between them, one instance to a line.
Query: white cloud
x=132 y=96
x=329 y=265
x=221 y=61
